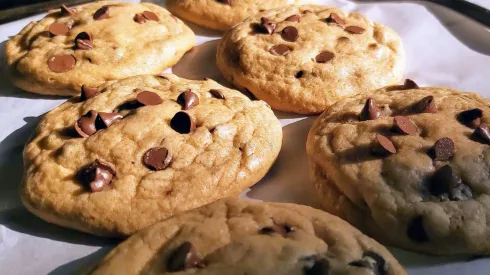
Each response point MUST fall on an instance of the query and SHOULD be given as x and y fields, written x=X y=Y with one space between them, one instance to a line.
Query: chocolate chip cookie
x=408 y=166
x=133 y=152
x=94 y=43
x=223 y=14
x=234 y=236
x=303 y=59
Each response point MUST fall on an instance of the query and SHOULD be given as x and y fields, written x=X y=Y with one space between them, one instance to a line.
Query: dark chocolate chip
x=443 y=149
x=182 y=123
x=183 y=258
x=85 y=126
x=471 y=117
x=227 y=2
x=299 y=74
x=102 y=13
x=382 y=146
x=416 y=231
x=151 y=16
x=188 y=100
x=148 y=98
x=446 y=185
x=404 y=125
x=217 y=93
x=104 y=120
x=88 y=92
x=372 y=261
x=62 y=63
x=138 y=18
x=83 y=41
x=97 y=175
x=157 y=158
x=482 y=134
x=293 y=18
x=324 y=57
x=320 y=267
x=355 y=30
x=371 y=111
x=281 y=230
x=426 y=105
x=410 y=84
x=66 y=11
x=266 y=26
x=335 y=18
x=58 y=29
x=289 y=33
x=280 y=50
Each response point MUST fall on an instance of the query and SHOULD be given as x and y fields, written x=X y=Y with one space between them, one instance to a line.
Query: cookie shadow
x=82 y=265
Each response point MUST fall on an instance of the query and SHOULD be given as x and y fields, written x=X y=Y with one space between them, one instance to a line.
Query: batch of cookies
x=161 y=159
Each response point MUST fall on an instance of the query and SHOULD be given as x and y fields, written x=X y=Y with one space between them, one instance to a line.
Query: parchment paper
x=443 y=48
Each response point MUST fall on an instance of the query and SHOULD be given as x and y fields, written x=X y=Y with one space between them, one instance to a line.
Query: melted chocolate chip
x=372 y=261
x=446 y=185
x=324 y=57
x=183 y=258
x=280 y=50
x=97 y=176
x=482 y=134
x=371 y=111
x=157 y=158
x=88 y=92
x=290 y=34
x=471 y=117
x=182 y=123
x=426 y=105
x=443 y=149
x=58 y=29
x=404 y=125
x=320 y=267
x=293 y=18
x=217 y=93
x=138 y=18
x=355 y=30
x=266 y=26
x=66 y=11
x=83 y=41
x=410 y=84
x=188 y=100
x=62 y=63
x=335 y=18
x=85 y=126
x=382 y=146
x=104 y=120
x=147 y=98
x=151 y=16
x=102 y=13
x=416 y=231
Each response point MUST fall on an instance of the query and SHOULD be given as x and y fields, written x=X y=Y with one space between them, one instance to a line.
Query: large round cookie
x=180 y=144
x=94 y=43
x=408 y=167
x=234 y=236
x=223 y=14
x=303 y=59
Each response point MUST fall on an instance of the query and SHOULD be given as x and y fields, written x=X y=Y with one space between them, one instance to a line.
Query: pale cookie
x=141 y=149
x=235 y=237
x=408 y=166
x=223 y=14
x=94 y=43
x=303 y=59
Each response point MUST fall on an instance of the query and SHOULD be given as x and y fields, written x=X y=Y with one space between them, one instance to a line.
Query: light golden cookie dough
x=126 y=39
x=235 y=237
x=315 y=56
x=432 y=194
x=224 y=14
x=232 y=146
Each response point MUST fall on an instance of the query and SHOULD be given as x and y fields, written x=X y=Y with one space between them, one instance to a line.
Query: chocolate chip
x=182 y=123
x=58 y=29
x=97 y=175
x=228 y=2
x=446 y=185
x=426 y=105
x=104 y=120
x=410 y=84
x=157 y=158
x=85 y=126
x=293 y=18
x=482 y=134
x=183 y=258
x=320 y=267
x=217 y=93
x=266 y=26
x=416 y=231
x=83 y=41
x=188 y=100
x=88 y=92
x=102 y=13
x=471 y=117
x=148 y=98
x=335 y=18
x=372 y=261
x=443 y=149
x=66 y=11
x=281 y=230
x=371 y=111
x=138 y=18
x=151 y=16
x=382 y=146
x=299 y=74
x=404 y=125
x=280 y=49
x=289 y=33
x=324 y=57
x=355 y=30
x=61 y=63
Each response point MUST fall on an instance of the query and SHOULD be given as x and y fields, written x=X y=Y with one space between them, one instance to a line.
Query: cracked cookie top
x=411 y=165
x=234 y=236
x=136 y=151
x=304 y=58
x=94 y=43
